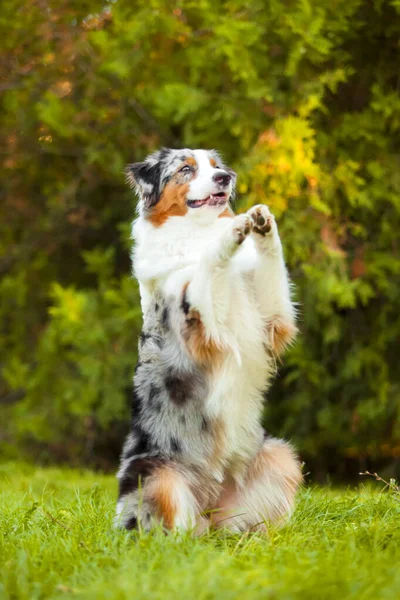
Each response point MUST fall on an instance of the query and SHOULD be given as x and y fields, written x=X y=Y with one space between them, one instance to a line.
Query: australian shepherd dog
x=217 y=313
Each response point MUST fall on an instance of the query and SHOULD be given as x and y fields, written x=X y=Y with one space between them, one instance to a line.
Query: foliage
x=302 y=99
x=57 y=541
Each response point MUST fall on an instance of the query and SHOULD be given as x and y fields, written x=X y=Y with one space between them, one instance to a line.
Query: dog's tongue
x=196 y=203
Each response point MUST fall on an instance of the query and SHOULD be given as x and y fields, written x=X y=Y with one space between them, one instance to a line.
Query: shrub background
x=302 y=98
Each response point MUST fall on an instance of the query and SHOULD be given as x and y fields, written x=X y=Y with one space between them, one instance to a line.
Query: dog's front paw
x=237 y=231
x=241 y=228
x=263 y=220
x=265 y=230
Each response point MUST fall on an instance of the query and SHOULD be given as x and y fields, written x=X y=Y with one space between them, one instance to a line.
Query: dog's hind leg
x=267 y=493
x=153 y=492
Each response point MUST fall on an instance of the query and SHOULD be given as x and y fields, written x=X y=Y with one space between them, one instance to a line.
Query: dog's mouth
x=212 y=200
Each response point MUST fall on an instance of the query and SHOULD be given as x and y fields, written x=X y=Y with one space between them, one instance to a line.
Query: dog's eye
x=217 y=167
x=185 y=169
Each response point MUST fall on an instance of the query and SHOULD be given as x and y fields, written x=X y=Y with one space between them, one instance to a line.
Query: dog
x=217 y=312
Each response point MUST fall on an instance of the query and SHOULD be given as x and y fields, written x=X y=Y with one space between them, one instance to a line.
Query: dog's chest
x=224 y=431
x=235 y=406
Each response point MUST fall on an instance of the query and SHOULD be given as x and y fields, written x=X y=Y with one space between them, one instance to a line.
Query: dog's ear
x=144 y=177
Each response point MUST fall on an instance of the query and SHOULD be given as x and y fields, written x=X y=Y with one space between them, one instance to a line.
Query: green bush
x=302 y=98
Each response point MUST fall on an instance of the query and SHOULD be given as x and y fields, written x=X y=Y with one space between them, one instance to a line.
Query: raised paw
x=242 y=226
x=263 y=220
x=234 y=235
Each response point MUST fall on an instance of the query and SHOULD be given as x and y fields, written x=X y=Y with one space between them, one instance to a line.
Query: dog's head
x=180 y=182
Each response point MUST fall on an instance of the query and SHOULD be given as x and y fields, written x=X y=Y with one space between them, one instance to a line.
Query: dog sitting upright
x=216 y=313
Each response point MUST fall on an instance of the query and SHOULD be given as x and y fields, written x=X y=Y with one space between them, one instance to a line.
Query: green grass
x=57 y=541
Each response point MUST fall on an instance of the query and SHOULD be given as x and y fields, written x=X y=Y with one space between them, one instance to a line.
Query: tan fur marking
x=204 y=351
x=213 y=162
x=160 y=490
x=190 y=161
x=279 y=459
x=276 y=467
x=227 y=212
x=171 y=204
x=281 y=334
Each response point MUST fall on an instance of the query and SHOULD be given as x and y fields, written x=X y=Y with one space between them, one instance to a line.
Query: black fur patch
x=175 y=445
x=137 y=470
x=137 y=404
x=165 y=317
x=185 y=306
x=154 y=394
x=144 y=336
x=144 y=442
x=178 y=388
x=132 y=523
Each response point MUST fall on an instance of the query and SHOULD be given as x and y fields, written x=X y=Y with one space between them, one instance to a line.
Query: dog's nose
x=222 y=178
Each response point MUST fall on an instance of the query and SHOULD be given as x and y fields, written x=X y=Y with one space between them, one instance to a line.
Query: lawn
x=57 y=541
